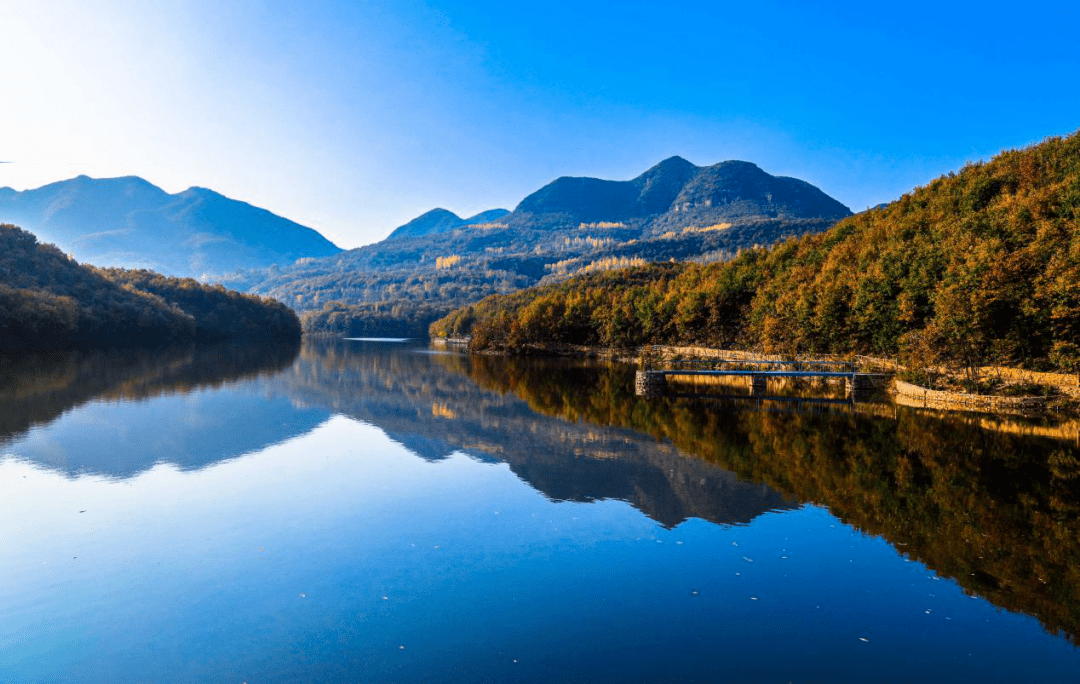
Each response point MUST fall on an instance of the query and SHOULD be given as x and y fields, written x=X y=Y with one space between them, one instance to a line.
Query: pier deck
x=653 y=382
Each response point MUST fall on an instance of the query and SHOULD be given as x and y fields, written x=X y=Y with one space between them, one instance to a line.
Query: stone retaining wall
x=913 y=395
x=866 y=362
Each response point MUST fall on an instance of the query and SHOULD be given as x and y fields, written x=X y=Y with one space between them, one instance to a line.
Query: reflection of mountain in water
x=429 y=404
x=185 y=425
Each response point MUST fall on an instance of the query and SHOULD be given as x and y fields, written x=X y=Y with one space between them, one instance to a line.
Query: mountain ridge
x=730 y=189
x=128 y=221
x=673 y=211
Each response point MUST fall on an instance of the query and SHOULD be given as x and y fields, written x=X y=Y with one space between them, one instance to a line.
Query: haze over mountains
x=132 y=223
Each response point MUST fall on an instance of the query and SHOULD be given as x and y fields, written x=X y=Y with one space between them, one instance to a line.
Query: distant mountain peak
x=431 y=222
x=660 y=185
x=111 y=180
x=441 y=220
x=672 y=162
x=438 y=212
x=128 y=221
x=200 y=193
x=677 y=192
x=108 y=190
x=487 y=216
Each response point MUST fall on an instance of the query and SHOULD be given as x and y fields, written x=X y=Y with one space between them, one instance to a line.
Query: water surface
x=365 y=511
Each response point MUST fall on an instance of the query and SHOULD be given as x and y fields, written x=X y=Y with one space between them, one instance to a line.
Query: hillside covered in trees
x=978 y=267
x=572 y=226
x=219 y=313
x=49 y=301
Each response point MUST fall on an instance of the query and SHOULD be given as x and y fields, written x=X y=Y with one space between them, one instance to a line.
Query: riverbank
x=1058 y=392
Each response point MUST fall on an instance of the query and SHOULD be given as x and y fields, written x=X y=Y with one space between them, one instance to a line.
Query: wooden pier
x=653 y=382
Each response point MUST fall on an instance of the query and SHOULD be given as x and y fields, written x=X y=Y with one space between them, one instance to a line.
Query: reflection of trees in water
x=37 y=388
x=997 y=511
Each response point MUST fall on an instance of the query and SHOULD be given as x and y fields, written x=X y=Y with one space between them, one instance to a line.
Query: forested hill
x=131 y=223
x=980 y=266
x=49 y=301
x=675 y=210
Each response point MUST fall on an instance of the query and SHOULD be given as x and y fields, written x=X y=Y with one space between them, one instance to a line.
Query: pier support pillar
x=758 y=385
x=858 y=386
x=650 y=384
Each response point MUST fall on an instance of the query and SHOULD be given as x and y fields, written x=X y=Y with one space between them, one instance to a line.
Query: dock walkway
x=652 y=382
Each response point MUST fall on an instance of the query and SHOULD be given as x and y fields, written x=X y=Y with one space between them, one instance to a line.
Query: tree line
x=403 y=318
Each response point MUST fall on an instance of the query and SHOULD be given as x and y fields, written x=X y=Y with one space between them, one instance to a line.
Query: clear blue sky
x=353 y=117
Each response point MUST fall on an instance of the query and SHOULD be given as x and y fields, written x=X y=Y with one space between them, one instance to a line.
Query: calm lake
x=365 y=511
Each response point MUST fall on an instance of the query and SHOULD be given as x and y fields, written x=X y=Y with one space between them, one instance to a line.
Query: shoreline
x=902 y=393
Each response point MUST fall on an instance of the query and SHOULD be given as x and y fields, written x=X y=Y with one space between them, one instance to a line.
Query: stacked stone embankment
x=913 y=395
